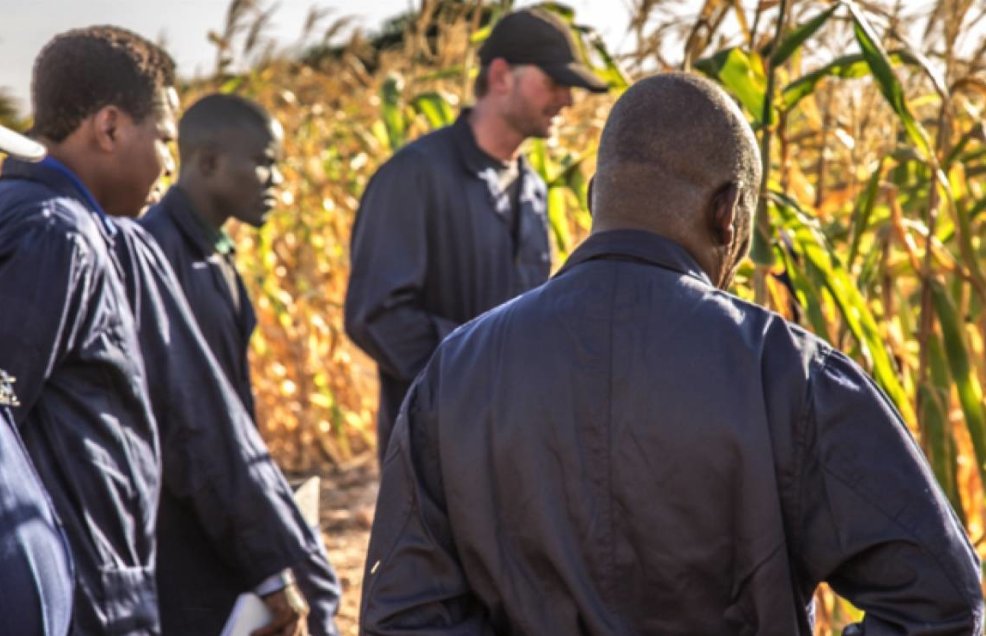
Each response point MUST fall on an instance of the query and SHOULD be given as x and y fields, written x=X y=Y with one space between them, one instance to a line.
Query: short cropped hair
x=210 y=116
x=82 y=70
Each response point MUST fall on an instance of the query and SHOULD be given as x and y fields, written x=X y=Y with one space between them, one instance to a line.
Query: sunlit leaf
x=435 y=108
x=882 y=70
x=799 y=36
x=811 y=245
x=966 y=383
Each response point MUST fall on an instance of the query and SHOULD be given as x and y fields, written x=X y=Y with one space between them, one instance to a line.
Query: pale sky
x=26 y=25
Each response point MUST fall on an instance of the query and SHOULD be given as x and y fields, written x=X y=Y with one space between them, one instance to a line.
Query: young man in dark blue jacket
x=35 y=561
x=229 y=147
x=68 y=334
x=629 y=449
x=106 y=134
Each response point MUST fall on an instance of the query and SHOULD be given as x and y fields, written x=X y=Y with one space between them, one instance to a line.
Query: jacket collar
x=469 y=149
x=473 y=160
x=638 y=245
x=208 y=241
x=56 y=175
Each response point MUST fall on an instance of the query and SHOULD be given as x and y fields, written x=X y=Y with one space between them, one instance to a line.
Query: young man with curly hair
x=102 y=109
x=105 y=110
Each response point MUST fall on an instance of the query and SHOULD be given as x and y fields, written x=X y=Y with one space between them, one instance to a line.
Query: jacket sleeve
x=873 y=522
x=47 y=278
x=213 y=457
x=385 y=311
x=413 y=582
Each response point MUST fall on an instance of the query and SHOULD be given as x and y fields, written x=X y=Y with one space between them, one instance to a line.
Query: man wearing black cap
x=455 y=223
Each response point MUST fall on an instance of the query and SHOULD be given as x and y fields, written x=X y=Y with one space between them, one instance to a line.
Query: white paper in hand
x=249 y=613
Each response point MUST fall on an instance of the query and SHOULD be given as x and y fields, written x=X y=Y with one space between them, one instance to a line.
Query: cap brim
x=575 y=74
x=19 y=146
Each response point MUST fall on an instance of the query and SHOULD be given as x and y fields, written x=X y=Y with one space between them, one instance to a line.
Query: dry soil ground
x=347 y=500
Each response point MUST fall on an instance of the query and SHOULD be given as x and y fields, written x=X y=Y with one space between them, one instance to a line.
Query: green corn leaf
x=232 y=84
x=563 y=11
x=819 y=259
x=807 y=294
x=966 y=383
x=537 y=156
x=920 y=61
x=845 y=67
x=935 y=430
x=579 y=186
x=479 y=35
x=392 y=112
x=882 y=70
x=559 y=221
x=958 y=151
x=796 y=38
x=743 y=75
x=611 y=71
x=977 y=209
x=710 y=66
x=435 y=108
x=862 y=213
x=451 y=72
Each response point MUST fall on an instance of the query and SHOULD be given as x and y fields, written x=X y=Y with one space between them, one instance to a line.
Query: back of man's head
x=215 y=120
x=81 y=71
x=672 y=144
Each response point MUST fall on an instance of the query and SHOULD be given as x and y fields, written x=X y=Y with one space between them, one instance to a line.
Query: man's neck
x=85 y=171
x=493 y=135
x=202 y=203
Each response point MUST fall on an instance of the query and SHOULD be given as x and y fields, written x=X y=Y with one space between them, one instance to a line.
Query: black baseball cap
x=19 y=146
x=535 y=36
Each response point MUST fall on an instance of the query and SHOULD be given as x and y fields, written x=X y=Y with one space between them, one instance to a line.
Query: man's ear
x=207 y=160
x=723 y=212
x=105 y=125
x=500 y=78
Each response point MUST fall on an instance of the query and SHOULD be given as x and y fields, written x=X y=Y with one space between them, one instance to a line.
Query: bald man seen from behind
x=629 y=449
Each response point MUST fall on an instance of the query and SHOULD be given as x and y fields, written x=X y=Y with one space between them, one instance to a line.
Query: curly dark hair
x=82 y=70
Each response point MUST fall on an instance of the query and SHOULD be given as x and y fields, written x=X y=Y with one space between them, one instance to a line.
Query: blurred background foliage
x=869 y=115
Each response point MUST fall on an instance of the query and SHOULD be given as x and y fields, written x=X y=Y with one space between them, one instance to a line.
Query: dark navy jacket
x=431 y=249
x=36 y=577
x=228 y=518
x=70 y=341
x=628 y=450
x=225 y=324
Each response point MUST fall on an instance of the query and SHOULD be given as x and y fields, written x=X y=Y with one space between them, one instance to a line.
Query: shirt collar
x=206 y=237
x=60 y=177
x=637 y=245
x=477 y=160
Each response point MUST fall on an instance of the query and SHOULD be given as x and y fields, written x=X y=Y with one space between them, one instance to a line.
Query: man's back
x=70 y=342
x=627 y=450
